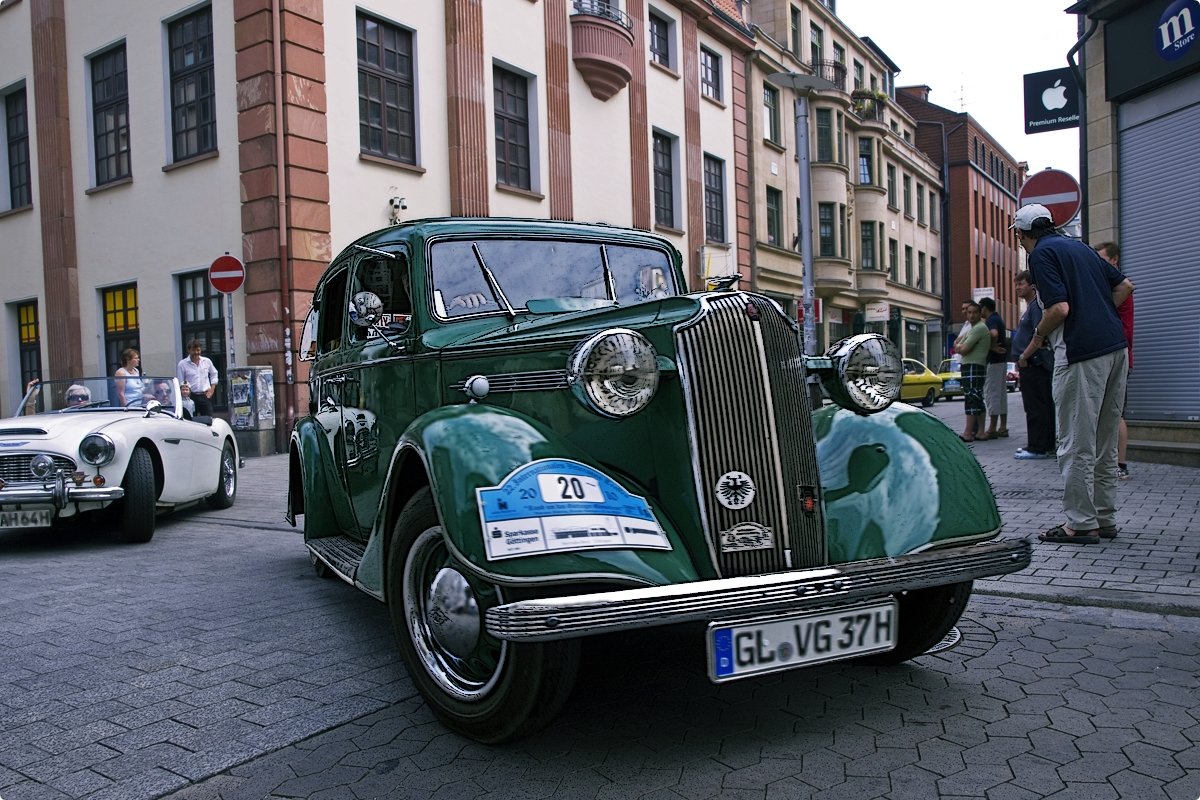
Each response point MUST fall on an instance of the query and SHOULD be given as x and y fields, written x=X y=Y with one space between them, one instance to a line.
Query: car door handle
x=171 y=441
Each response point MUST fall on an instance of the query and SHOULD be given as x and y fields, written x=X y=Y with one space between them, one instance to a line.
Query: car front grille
x=14 y=467
x=742 y=371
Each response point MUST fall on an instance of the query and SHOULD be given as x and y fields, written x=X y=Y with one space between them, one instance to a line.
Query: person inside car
x=164 y=395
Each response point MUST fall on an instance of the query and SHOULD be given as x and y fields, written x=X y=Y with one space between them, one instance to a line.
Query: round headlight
x=868 y=371
x=614 y=373
x=97 y=449
x=41 y=465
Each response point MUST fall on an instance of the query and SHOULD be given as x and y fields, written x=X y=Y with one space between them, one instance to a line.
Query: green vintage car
x=525 y=432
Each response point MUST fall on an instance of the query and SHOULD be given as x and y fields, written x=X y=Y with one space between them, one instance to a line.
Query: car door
x=378 y=391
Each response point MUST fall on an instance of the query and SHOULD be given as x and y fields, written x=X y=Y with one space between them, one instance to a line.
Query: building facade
x=981 y=198
x=1142 y=93
x=143 y=141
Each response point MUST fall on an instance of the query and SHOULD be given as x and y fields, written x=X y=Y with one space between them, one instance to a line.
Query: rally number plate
x=755 y=647
x=28 y=518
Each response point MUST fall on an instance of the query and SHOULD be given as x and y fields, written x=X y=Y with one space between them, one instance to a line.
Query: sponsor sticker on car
x=558 y=505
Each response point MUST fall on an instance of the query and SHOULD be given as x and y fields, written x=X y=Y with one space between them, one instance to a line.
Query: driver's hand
x=471 y=300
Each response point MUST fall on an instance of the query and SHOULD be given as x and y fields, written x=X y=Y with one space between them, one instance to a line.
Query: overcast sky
x=973 y=56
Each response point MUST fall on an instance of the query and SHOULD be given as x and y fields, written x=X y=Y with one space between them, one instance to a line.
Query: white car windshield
x=574 y=272
x=75 y=395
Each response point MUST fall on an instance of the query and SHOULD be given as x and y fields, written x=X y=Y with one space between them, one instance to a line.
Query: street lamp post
x=804 y=85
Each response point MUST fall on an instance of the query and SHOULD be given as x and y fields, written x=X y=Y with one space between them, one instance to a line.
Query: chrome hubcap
x=452 y=614
x=228 y=473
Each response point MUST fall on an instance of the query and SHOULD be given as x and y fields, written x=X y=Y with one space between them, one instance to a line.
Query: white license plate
x=29 y=518
x=755 y=647
x=951 y=386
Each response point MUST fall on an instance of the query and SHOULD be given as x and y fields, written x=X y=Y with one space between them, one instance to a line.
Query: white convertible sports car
x=128 y=447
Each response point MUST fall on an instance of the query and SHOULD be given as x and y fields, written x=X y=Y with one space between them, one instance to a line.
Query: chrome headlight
x=868 y=373
x=97 y=449
x=614 y=373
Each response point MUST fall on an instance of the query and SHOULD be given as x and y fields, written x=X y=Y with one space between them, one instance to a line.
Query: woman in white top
x=131 y=388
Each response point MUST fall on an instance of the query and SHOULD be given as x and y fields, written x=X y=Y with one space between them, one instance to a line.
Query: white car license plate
x=951 y=386
x=754 y=647
x=27 y=518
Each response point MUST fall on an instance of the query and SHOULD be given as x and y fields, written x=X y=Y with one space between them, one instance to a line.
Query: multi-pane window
x=841 y=138
x=908 y=264
x=921 y=203
x=710 y=74
x=771 y=127
x=893 y=258
x=193 y=102
x=110 y=115
x=16 y=118
x=795 y=31
x=824 y=134
x=664 y=179
x=839 y=54
x=816 y=44
x=774 y=217
x=714 y=199
x=933 y=211
x=29 y=342
x=659 y=40
x=121 y=327
x=386 y=106
x=907 y=196
x=866 y=252
x=202 y=318
x=826 y=235
x=920 y=269
x=843 y=230
x=511 y=98
x=866 y=160
x=858 y=75
x=934 y=279
x=891 y=185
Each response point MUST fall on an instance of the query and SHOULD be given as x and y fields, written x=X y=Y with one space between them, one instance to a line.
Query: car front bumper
x=603 y=612
x=58 y=493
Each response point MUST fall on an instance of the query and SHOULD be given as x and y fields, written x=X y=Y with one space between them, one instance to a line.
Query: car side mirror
x=365 y=309
x=153 y=407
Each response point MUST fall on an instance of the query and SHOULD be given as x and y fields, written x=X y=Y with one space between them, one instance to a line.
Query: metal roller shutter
x=1160 y=250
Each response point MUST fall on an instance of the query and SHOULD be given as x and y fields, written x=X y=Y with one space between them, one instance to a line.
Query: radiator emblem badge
x=735 y=490
x=747 y=536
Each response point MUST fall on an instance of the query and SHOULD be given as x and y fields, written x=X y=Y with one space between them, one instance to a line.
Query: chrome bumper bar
x=59 y=495
x=627 y=609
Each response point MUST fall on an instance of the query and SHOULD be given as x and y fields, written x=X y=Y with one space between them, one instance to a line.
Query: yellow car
x=951 y=379
x=919 y=384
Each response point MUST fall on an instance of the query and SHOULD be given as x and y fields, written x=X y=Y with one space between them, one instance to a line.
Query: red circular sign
x=226 y=274
x=1058 y=191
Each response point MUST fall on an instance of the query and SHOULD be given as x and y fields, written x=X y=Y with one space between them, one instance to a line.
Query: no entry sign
x=226 y=274
x=1058 y=191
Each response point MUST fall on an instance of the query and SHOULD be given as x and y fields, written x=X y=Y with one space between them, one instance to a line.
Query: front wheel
x=930 y=398
x=136 y=515
x=227 y=477
x=926 y=616
x=487 y=689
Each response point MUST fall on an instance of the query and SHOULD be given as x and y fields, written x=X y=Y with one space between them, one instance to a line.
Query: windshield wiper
x=610 y=286
x=493 y=284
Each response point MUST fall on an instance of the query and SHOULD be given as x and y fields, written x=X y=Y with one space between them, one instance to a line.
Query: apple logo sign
x=1055 y=97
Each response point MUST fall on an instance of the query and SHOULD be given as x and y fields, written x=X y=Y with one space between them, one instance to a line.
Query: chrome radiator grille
x=742 y=371
x=14 y=467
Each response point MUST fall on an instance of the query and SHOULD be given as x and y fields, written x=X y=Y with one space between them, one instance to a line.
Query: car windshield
x=75 y=395
x=575 y=273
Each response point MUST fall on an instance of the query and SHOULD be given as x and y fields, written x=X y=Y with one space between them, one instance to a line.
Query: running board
x=340 y=553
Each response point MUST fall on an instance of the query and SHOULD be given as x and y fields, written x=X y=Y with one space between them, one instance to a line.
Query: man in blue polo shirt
x=1080 y=292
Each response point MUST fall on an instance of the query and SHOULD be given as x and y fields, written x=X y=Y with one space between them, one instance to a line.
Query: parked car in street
x=553 y=439
x=951 y=378
x=920 y=383
x=1012 y=377
x=85 y=445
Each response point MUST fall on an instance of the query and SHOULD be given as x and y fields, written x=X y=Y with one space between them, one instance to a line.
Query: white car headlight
x=868 y=373
x=97 y=449
x=614 y=373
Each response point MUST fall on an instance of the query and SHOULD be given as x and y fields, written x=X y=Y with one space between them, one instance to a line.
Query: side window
x=386 y=278
x=333 y=313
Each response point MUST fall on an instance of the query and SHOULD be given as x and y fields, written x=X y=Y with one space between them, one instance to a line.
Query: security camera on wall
x=396 y=204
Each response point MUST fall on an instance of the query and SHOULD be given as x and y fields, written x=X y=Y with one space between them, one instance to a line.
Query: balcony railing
x=869 y=109
x=600 y=8
x=832 y=71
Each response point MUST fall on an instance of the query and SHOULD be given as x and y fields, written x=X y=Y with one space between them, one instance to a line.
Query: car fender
x=899 y=481
x=467 y=447
x=308 y=493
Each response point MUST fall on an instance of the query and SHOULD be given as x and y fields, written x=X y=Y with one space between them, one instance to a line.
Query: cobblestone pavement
x=213 y=663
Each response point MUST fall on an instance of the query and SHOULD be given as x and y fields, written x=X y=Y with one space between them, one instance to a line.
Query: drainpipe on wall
x=285 y=262
x=1080 y=79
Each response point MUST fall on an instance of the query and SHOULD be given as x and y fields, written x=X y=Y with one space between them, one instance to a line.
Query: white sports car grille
x=14 y=467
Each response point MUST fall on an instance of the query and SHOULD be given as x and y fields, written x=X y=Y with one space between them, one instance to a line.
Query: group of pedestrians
x=1075 y=314
x=982 y=343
